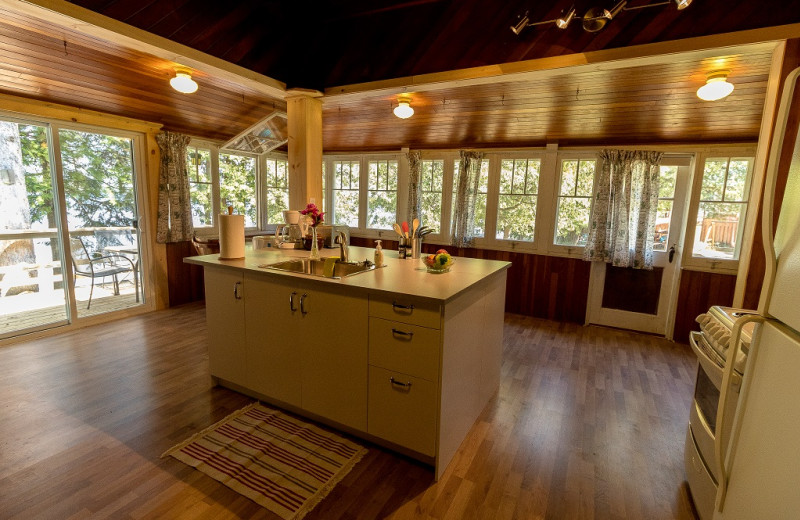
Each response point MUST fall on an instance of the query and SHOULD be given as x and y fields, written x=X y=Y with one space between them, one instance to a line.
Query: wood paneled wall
x=699 y=291
x=185 y=280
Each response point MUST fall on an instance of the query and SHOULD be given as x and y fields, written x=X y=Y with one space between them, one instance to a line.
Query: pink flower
x=316 y=215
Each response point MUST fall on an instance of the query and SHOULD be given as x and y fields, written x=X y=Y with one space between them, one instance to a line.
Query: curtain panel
x=414 y=172
x=174 y=198
x=466 y=190
x=624 y=211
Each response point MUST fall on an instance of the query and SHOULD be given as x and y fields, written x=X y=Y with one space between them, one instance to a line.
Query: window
x=574 y=202
x=198 y=166
x=666 y=201
x=345 y=192
x=431 y=179
x=480 y=197
x=237 y=186
x=382 y=194
x=516 y=205
x=722 y=208
x=276 y=189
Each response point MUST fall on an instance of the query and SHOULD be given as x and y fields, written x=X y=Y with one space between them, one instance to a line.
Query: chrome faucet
x=344 y=255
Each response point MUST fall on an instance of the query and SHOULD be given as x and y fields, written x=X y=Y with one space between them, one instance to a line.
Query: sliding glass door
x=69 y=245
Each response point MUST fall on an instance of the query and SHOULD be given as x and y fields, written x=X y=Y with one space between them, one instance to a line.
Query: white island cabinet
x=401 y=357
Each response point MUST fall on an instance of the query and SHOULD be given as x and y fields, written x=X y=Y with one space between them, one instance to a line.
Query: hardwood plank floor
x=588 y=423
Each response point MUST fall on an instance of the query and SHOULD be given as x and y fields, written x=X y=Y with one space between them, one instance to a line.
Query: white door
x=641 y=300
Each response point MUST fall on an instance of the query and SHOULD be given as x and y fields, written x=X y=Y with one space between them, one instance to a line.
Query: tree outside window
x=276 y=189
x=237 y=185
x=198 y=165
x=431 y=181
x=516 y=207
x=345 y=192
x=574 y=202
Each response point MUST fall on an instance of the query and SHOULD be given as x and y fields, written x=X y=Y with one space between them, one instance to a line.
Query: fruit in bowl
x=439 y=262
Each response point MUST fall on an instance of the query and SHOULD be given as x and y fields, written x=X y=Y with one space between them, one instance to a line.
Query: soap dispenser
x=378 y=254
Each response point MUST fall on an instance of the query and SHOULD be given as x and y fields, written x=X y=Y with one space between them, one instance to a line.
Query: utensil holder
x=416 y=247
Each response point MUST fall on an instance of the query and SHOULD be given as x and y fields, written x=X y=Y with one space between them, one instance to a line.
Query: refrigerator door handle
x=721 y=443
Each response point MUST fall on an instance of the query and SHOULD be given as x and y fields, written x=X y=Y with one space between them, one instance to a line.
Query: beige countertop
x=407 y=276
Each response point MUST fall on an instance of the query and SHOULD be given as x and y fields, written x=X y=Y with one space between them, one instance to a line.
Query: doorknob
x=671 y=253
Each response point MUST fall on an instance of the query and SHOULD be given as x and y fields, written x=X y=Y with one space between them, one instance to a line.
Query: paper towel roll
x=231 y=236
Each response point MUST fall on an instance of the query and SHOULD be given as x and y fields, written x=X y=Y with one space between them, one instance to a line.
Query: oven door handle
x=720 y=439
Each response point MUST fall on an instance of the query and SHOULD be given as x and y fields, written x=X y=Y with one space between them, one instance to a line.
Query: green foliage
x=198 y=164
x=574 y=202
x=431 y=185
x=382 y=195
x=516 y=210
x=277 y=189
x=38 y=178
x=237 y=186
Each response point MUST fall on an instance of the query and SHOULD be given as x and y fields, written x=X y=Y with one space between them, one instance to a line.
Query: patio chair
x=83 y=264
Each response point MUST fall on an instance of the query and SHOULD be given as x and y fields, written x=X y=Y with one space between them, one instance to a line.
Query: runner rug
x=282 y=463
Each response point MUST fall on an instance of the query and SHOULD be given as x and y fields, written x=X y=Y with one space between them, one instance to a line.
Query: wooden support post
x=304 y=110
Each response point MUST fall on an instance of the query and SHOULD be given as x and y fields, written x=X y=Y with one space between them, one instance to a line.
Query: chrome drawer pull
x=409 y=308
x=291 y=302
x=407 y=384
x=408 y=335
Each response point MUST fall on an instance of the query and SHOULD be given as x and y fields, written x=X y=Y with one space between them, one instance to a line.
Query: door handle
x=671 y=253
x=291 y=302
x=236 y=294
x=303 y=310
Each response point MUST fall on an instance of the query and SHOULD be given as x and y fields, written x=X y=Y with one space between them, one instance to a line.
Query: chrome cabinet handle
x=395 y=382
x=409 y=308
x=302 y=304
x=236 y=295
x=291 y=302
x=408 y=335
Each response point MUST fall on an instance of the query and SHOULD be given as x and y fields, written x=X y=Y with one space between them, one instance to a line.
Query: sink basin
x=317 y=267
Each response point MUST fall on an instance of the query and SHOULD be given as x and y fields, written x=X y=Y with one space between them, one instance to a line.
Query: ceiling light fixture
x=716 y=87
x=595 y=18
x=403 y=109
x=183 y=82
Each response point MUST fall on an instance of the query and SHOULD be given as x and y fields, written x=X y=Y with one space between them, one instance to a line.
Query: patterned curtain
x=174 y=200
x=624 y=212
x=413 y=184
x=466 y=189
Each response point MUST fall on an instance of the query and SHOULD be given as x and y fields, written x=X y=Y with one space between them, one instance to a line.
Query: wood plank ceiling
x=334 y=42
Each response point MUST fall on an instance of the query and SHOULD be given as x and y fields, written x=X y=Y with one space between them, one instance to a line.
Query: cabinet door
x=334 y=348
x=273 y=340
x=225 y=306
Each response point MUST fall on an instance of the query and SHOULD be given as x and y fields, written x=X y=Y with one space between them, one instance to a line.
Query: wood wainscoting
x=698 y=291
x=550 y=287
x=185 y=280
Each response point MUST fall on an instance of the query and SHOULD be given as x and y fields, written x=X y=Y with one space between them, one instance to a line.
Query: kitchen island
x=399 y=356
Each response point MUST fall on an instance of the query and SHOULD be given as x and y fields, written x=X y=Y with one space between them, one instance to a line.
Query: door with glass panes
x=638 y=299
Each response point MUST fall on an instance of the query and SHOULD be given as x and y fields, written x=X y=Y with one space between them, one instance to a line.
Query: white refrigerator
x=761 y=470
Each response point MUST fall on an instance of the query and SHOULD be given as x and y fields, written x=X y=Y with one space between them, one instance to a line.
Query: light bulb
x=403 y=109
x=183 y=82
x=716 y=87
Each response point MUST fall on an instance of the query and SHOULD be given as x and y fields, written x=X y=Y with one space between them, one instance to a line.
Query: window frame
x=263 y=216
x=493 y=202
x=698 y=263
x=575 y=251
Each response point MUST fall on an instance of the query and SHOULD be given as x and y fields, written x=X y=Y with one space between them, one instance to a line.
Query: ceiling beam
x=700 y=48
x=88 y=22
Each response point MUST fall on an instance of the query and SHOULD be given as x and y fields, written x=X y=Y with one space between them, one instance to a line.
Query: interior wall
x=698 y=291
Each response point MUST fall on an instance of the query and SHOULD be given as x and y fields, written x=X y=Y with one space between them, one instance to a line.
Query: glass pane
x=718 y=230
x=382 y=195
x=532 y=184
x=101 y=212
x=345 y=192
x=277 y=190
x=516 y=217
x=431 y=181
x=585 y=178
x=736 y=188
x=520 y=176
x=668 y=175
x=32 y=292
x=714 y=174
x=569 y=172
x=663 y=218
x=480 y=215
x=198 y=164
x=237 y=186
x=572 y=221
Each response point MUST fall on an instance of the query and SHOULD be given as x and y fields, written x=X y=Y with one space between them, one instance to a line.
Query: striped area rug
x=282 y=463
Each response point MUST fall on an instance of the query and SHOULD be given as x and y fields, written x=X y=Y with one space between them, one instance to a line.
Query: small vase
x=314 y=245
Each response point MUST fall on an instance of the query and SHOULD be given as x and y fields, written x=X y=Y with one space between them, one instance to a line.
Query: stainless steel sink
x=317 y=267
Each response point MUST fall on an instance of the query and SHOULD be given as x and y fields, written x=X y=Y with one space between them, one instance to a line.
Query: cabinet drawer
x=404 y=415
x=407 y=348
x=406 y=310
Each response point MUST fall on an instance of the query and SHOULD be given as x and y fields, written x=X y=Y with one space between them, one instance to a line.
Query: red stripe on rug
x=275 y=452
x=303 y=432
x=262 y=485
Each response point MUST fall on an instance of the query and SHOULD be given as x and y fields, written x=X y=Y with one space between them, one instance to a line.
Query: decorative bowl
x=437 y=267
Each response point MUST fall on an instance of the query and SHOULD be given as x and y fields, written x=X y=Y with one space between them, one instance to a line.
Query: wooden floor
x=588 y=423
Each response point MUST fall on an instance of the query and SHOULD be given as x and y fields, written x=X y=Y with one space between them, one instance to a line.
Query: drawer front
x=404 y=415
x=409 y=349
x=406 y=310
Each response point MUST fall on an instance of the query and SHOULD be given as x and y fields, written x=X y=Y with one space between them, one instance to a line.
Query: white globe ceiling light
x=403 y=109
x=183 y=82
x=716 y=87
